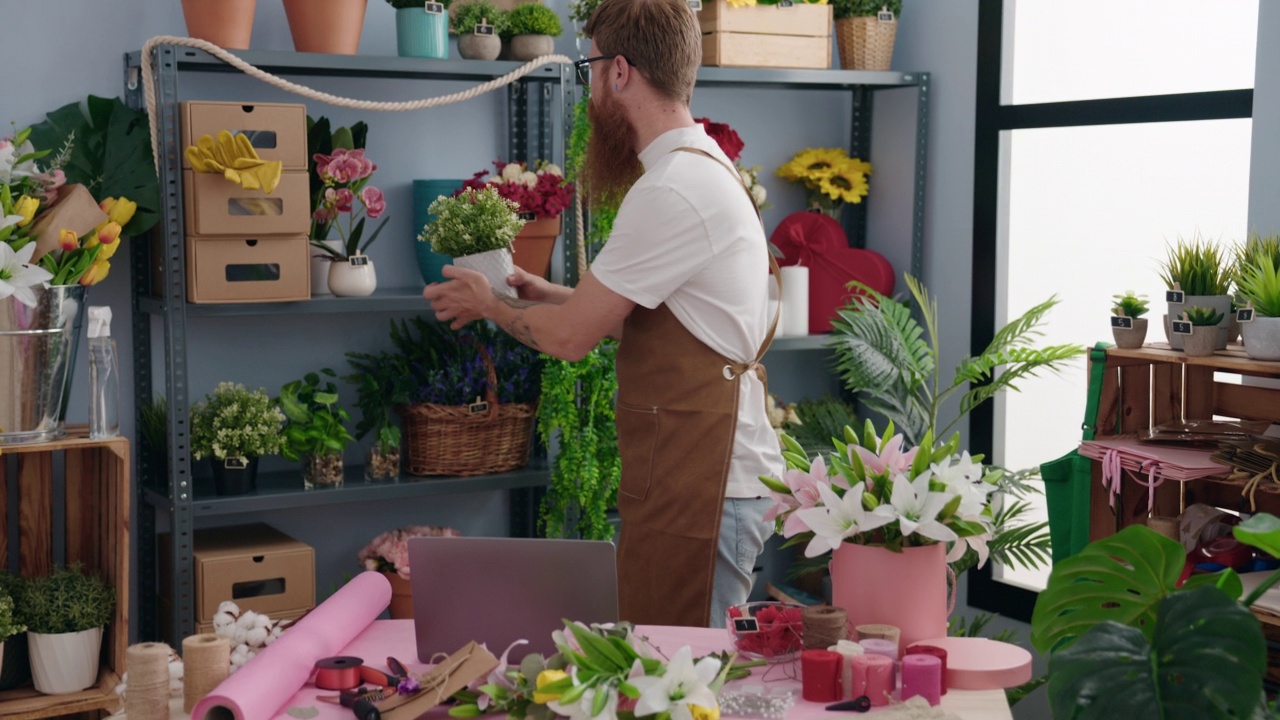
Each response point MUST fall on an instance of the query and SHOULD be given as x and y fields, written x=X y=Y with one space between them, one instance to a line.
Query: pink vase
x=907 y=589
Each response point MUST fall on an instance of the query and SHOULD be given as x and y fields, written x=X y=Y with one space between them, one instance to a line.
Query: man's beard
x=612 y=163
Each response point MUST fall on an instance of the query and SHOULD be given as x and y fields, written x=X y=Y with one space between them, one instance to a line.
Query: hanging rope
x=148 y=84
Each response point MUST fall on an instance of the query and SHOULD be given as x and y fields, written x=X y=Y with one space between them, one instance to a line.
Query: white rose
x=553 y=169
x=529 y=179
x=512 y=172
x=758 y=193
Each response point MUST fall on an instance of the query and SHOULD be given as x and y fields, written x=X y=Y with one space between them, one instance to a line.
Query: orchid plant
x=874 y=491
x=346 y=191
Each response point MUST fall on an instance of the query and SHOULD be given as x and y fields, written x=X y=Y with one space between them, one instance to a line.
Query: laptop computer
x=499 y=590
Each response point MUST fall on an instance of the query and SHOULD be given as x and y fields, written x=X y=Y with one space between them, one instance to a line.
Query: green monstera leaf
x=1205 y=660
x=110 y=154
x=1121 y=578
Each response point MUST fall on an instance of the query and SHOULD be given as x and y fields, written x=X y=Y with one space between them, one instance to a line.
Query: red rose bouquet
x=726 y=137
x=543 y=192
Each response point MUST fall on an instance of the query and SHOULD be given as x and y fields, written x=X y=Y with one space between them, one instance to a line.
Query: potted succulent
x=65 y=613
x=476 y=227
x=234 y=427
x=532 y=28
x=479 y=25
x=1258 y=286
x=315 y=435
x=1198 y=270
x=382 y=381
x=865 y=31
x=1133 y=333
x=422 y=28
x=8 y=625
x=543 y=194
x=1203 y=338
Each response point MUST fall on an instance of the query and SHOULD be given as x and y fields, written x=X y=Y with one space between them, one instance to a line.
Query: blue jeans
x=742 y=535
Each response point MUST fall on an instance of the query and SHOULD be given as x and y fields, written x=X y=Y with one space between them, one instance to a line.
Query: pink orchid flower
x=374 y=203
x=340 y=198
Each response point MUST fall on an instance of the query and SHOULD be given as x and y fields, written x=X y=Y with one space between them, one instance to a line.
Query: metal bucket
x=37 y=354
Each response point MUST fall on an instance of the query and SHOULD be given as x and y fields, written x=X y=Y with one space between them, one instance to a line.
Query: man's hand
x=535 y=288
x=466 y=296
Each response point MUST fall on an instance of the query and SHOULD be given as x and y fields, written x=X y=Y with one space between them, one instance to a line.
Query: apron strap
x=733 y=370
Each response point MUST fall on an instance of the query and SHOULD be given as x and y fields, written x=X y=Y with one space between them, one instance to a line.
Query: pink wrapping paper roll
x=259 y=689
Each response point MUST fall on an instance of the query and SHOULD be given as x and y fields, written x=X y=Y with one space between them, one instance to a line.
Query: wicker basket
x=865 y=43
x=459 y=440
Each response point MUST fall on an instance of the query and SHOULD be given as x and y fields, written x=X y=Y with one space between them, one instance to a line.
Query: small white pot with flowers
x=347 y=192
x=477 y=228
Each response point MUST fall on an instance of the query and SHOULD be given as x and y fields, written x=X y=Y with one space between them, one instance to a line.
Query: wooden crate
x=95 y=515
x=1152 y=385
x=800 y=19
x=798 y=36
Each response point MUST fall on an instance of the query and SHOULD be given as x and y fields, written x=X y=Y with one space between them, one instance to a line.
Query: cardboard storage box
x=215 y=206
x=798 y=36
x=277 y=131
x=233 y=269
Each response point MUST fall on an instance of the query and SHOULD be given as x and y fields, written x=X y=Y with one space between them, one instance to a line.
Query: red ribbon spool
x=338 y=673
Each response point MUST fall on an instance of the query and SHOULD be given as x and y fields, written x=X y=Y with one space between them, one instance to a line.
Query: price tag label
x=1181 y=327
x=235 y=463
x=358 y=260
x=743 y=625
x=884 y=16
x=1177 y=297
x=433 y=8
x=1119 y=321
x=476 y=408
x=483 y=29
x=528 y=216
x=1244 y=315
x=695 y=5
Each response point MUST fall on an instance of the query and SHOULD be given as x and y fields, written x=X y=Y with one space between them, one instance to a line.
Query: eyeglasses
x=584 y=66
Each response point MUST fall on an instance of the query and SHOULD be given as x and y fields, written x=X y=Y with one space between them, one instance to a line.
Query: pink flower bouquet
x=389 y=552
x=346 y=191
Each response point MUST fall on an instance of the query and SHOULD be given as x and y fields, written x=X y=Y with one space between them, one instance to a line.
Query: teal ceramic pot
x=424 y=193
x=422 y=34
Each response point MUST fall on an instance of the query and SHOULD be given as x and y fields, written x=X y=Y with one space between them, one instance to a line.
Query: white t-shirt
x=687 y=235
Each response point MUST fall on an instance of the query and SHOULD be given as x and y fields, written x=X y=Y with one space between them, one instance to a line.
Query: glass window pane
x=1087 y=214
x=1067 y=51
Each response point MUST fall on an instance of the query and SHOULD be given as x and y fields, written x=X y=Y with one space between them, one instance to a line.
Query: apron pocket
x=637 y=442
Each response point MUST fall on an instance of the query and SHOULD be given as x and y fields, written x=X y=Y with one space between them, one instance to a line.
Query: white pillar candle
x=795 y=299
x=774 y=301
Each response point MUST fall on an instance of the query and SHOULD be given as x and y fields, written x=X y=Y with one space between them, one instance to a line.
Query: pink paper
x=259 y=689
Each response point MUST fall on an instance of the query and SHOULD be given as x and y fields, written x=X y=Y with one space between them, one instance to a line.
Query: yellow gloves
x=236 y=159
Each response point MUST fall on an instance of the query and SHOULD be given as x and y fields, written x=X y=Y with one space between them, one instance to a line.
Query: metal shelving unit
x=171 y=490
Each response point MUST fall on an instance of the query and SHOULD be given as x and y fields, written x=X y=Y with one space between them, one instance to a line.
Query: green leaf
x=598 y=702
x=1205 y=660
x=605 y=655
x=1121 y=578
x=1261 y=531
x=465 y=711
x=1228 y=581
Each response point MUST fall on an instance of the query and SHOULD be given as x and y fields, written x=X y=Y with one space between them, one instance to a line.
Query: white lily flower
x=9 y=171
x=8 y=220
x=683 y=684
x=916 y=508
x=17 y=275
x=838 y=518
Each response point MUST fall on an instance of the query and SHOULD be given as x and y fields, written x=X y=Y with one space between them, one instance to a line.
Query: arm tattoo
x=519 y=328
x=516 y=303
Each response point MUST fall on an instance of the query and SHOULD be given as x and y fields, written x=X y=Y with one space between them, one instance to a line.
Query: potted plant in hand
x=479 y=26
x=1203 y=338
x=65 y=613
x=542 y=196
x=532 y=28
x=389 y=554
x=344 y=176
x=1258 y=285
x=422 y=28
x=234 y=427
x=1198 y=270
x=1133 y=333
x=316 y=435
x=865 y=31
x=477 y=228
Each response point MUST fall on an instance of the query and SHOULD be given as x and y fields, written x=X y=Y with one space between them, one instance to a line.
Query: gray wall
x=1264 y=171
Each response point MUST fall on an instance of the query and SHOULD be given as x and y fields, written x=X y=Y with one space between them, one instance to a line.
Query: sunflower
x=741 y=3
x=847 y=181
x=811 y=165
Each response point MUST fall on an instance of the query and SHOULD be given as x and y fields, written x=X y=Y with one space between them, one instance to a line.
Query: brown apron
x=677 y=415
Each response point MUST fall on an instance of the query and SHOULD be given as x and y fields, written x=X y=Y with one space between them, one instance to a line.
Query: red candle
x=922 y=675
x=820 y=675
x=937 y=652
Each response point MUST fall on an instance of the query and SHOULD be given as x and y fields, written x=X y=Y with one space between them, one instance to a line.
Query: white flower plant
x=872 y=491
x=17 y=274
x=236 y=423
x=601 y=672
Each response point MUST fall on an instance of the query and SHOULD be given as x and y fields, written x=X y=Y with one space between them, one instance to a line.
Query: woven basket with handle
x=865 y=43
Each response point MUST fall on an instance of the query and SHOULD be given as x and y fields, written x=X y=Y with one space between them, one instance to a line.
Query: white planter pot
x=65 y=662
x=495 y=265
x=320 y=263
x=1219 y=303
x=354 y=277
x=1261 y=338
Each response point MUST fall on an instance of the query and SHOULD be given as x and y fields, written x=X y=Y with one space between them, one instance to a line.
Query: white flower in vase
x=17 y=274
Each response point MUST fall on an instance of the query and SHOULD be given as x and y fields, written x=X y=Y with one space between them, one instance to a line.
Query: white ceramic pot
x=320 y=262
x=65 y=662
x=354 y=277
x=1131 y=337
x=1219 y=303
x=495 y=265
x=1261 y=337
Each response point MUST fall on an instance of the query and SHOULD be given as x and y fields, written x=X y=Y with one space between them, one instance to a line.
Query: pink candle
x=820 y=675
x=936 y=652
x=876 y=674
x=922 y=675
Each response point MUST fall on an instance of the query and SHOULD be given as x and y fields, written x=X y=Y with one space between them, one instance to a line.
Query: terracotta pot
x=401 y=597
x=226 y=23
x=326 y=26
x=535 y=243
x=907 y=590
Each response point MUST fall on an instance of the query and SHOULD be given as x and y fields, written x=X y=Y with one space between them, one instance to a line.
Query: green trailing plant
x=1129 y=305
x=323 y=139
x=468 y=15
x=411 y=4
x=863 y=8
x=1125 y=640
x=382 y=381
x=1196 y=267
x=66 y=601
x=532 y=18
x=316 y=421
x=1258 y=276
x=1201 y=317
x=473 y=222
x=234 y=422
x=9 y=626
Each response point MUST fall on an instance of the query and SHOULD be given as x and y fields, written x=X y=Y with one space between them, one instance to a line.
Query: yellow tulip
x=26 y=207
x=702 y=713
x=107 y=234
x=108 y=249
x=545 y=678
x=119 y=211
x=68 y=240
x=96 y=273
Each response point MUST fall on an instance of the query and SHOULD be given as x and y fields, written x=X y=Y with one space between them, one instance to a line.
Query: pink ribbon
x=1113 y=475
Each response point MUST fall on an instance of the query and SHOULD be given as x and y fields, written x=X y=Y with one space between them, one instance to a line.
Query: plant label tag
x=1118 y=321
x=235 y=463
x=528 y=216
x=743 y=625
x=695 y=5
x=785 y=3
x=1244 y=315
x=476 y=408
x=1181 y=327
x=433 y=8
x=1177 y=297
x=483 y=29
x=358 y=260
x=885 y=15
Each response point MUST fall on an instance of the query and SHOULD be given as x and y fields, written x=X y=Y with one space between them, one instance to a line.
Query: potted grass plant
x=1203 y=338
x=532 y=29
x=422 y=28
x=479 y=25
x=476 y=227
x=65 y=613
x=1202 y=274
x=1133 y=333
x=1258 y=286
x=316 y=434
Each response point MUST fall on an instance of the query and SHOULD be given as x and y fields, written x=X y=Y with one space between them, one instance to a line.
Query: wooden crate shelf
x=95 y=479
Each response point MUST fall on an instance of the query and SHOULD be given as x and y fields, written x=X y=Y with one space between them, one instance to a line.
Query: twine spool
x=206 y=662
x=148 y=691
x=879 y=631
x=824 y=626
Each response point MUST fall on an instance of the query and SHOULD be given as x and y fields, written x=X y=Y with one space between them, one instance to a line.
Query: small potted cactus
x=1203 y=339
x=1132 y=332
